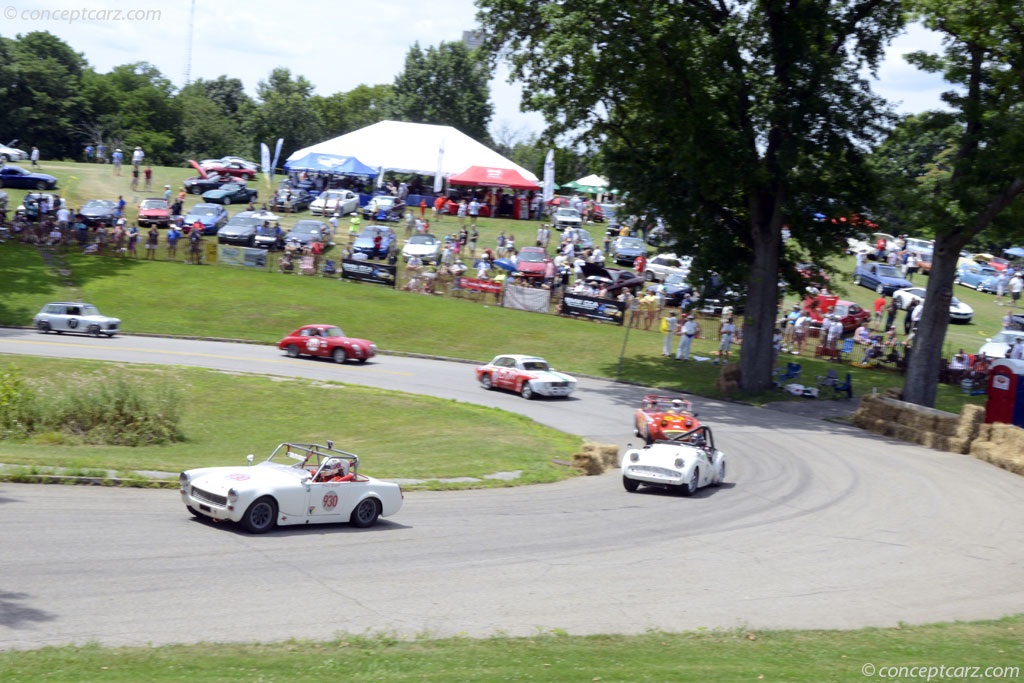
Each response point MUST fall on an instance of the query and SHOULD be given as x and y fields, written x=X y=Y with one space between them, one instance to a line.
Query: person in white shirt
x=725 y=340
x=689 y=330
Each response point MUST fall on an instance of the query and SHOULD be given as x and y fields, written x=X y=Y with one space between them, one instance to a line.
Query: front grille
x=211 y=498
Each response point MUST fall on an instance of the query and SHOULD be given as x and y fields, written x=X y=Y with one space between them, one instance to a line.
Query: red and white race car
x=526 y=375
x=327 y=341
x=660 y=418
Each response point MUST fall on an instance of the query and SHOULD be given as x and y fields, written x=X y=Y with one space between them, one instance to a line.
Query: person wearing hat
x=167 y=192
x=116 y=159
x=668 y=327
x=137 y=156
x=727 y=331
x=687 y=332
x=789 y=332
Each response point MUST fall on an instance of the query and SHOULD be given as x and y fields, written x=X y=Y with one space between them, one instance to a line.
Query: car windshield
x=531 y=256
x=99 y=204
x=630 y=243
x=153 y=204
x=370 y=233
x=266 y=230
x=1006 y=337
x=243 y=222
x=201 y=210
x=230 y=187
x=535 y=365
x=888 y=271
x=675 y=279
x=567 y=213
x=423 y=239
x=307 y=228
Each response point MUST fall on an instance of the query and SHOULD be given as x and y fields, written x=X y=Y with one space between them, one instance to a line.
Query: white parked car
x=298 y=484
x=959 y=312
x=426 y=247
x=683 y=464
x=330 y=202
x=529 y=376
x=998 y=345
x=567 y=217
x=661 y=266
x=66 y=316
x=12 y=154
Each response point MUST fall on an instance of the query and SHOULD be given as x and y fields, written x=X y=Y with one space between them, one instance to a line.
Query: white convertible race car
x=298 y=484
x=684 y=463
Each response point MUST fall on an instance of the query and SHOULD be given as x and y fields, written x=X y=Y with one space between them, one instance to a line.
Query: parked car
x=212 y=216
x=977 y=276
x=662 y=417
x=881 y=277
x=626 y=249
x=290 y=200
x=63 y=316
x=231 y=193
x=531 y=261
x=959 y=312
x=11 y=153
x=154 y=211
x=199 y=185
x=998 y=345
x=30 y=204
x=999 y=263
x=18 y=178
x=308 y=231
x=269 y=236
x=299 y=484
x=330 y=202
x=852 y=315
x=365 y=242
x=610 y=213
x=99 y=212
x=566 y=217
x=383 y=207
x=583 y=239
x=676 y=287
x=240 y=229
x=528 y=376
x=661 y=266
x=227 y=160
x=327 y=341
x=234 y=169
x=426 y=247
x=682 y=464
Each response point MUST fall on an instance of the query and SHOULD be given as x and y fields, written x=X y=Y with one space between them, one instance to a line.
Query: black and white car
x=64 y=316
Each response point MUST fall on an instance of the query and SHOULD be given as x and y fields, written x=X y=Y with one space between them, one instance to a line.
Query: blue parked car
x=625 y=250
x=212 y=216
x=17 y=177
x=977 y=276
x=364 y=243
x=881 y=277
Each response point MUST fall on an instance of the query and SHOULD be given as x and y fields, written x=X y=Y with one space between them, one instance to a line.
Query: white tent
x=413 y=148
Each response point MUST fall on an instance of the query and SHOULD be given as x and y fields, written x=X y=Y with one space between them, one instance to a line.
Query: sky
x=336 y=46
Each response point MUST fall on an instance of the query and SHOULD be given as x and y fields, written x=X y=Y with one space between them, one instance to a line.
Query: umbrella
x=1014 y=251
x=506 y=264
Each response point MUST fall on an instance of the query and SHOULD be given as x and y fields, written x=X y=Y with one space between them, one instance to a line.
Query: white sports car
x=526 y=375
x=684 y=463
x=298 y=484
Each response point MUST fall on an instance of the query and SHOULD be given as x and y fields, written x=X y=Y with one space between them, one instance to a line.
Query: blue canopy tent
x=331 y=163
x=1015 y=252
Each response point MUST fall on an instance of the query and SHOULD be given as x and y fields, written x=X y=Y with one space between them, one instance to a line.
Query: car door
x=71 y=319
x=313 y=344
x=328 y=501
x=506 y=373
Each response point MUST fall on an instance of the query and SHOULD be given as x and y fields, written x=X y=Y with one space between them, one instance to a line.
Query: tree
x=447 y=86
x=730 y=119
x=980 y=178
x=212 y=119
x=285 y=110
x=362 y=106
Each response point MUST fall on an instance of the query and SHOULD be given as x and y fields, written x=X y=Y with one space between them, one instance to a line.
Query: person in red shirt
x=640 y=264
x=880 y=304
x=439 y=207
x=423 y=208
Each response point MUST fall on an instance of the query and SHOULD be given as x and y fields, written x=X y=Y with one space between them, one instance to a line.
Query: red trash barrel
x=1005 y=392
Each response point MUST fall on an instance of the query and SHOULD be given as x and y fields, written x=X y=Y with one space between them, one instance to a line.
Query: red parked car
x=154 y=212
x=327 y=341
x=851 y=314
x=531 y=261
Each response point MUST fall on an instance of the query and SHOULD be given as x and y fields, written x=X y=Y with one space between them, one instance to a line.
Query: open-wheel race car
x=663 y=417
x=299 y=483
x=684 y=463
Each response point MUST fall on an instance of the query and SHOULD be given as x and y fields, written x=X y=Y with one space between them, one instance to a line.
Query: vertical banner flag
x=439 y=176
x=277 y=155
x=265 y=162
x=549 y=176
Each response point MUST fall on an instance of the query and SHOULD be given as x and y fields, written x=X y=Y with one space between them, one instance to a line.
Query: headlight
x=634 y=457
x=184 y=480
x=679 y=463
x=232 y=495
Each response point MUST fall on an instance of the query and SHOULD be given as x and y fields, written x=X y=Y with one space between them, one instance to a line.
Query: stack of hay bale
x=1001 y=445
x=596 y=458
x=728 y=381
x=918 y=424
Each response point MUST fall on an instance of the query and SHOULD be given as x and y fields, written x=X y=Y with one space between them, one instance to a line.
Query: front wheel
x=649 y=276
x=339 y=355
x=94 y=330
x=880 y=289
x=690 y=487
x=630 y=484
x=365 y=514
x=857 y=280
x=526 y=391
x=43 y=326
x=292 y=350
x=485 y=382
x=41 y=185
x=979 y=288
x=195 y=190
x=261 y=515
x=226 y=201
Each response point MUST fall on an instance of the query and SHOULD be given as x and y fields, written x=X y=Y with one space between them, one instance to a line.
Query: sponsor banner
x=477 y=285
x=533 y=299
x=368 y=271
x=231 y=255
x=593 y=308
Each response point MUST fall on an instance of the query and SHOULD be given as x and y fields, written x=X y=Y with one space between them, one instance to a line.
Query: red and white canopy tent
x=486 y=176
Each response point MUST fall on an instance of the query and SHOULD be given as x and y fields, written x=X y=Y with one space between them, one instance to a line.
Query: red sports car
x=232 y=168
x=326 y=341
x=851 y=314
x=532 y=261
x=154 y=212
x=659 y=418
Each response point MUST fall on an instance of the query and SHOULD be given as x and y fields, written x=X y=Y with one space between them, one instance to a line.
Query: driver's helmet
x=699 y=440
x=333 y=467
x=677 y=405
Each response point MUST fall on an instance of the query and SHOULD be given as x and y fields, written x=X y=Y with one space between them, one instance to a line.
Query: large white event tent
x=418 y=148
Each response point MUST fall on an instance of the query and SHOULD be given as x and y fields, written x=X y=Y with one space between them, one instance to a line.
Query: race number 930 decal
x=330 y=500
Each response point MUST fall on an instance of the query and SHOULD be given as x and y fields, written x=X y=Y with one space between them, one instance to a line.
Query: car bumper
x=654 y=475
x=553 y=390
x=210 y=506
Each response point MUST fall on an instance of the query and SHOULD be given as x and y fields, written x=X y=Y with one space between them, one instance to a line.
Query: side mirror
x=249 y=458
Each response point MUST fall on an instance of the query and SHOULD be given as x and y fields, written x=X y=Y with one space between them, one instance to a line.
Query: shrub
x=18 y=406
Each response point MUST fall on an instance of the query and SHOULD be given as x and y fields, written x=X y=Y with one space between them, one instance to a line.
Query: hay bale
x=607 y=453
x=590 y=463
x=728 y=381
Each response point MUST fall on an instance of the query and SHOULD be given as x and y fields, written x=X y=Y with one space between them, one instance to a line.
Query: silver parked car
x=75 y=317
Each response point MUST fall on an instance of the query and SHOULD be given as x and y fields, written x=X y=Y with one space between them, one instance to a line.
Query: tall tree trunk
x=759 y=317
x=921 y=382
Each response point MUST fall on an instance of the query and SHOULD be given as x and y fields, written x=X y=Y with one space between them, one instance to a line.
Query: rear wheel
x=261 y=515
x=292 y=350
x=43 y=326
x=339 y=355
x=366 y=513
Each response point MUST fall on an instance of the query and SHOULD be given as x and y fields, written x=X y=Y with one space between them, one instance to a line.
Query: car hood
x=548 y=376
x=418 y=249
x=219 y=479
x=237 y=230
x=154 y=212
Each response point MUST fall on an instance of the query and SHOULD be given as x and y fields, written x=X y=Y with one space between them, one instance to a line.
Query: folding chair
x=792 y=371
x=846 y=350
x=830 y=380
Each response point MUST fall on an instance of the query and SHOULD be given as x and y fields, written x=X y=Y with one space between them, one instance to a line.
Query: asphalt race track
x=818 y=526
